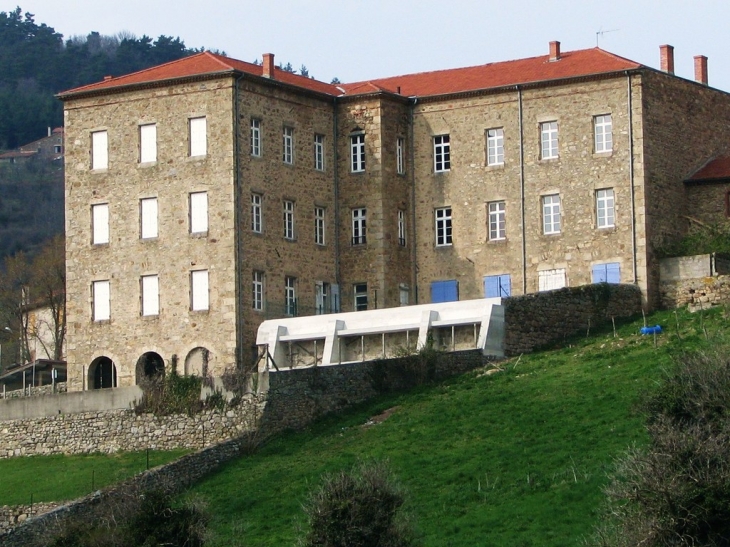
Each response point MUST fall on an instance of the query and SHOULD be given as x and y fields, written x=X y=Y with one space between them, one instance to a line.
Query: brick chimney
x=269 y=65
x=667 y=58
x=554 y=51
x=701 y=69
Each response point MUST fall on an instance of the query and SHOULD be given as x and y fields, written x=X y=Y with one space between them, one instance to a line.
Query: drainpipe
x=237 y=231
x=335 y=140
x=631 y=176
x=522 y=190
x=411 y=166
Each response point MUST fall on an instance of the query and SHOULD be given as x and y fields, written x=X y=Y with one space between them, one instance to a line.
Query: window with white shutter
x=100 y=224
x=150 y=295
x=198 y=137
x=100 y=299
x=199 y=300
x=99 y=150
x=148 y=143
x=148 y=218
x=198 y=212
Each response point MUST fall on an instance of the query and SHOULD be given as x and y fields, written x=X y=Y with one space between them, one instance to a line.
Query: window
x=606 y=273
x=99 y=150
x=441 y=153
x=57 y=149
x=148 y=218
x=497 y=286
x=288 y=219
x=319 y=152
x=400 y=145
x=255 y=137
x=357 y=153
x=359 y=226
x=495 y=146
x=444 y=291
x=404 y=294
x=361 y=296
x=199 y=212
x=257 y=301
x=290 y=295
x=551 y=214
x=497 y=228
x=198 y=137
x=319 y=225
x=100 y=297
x=603 y=131
x=551 y=279
x=604 y=208
x=321 y=298
x=257 y=224
x=150 y=286
x=148 y=143
x=549 y=140
x=100 y=224
x=401 y=228
x=199 y=297
x=288 y=145
x=443 y=226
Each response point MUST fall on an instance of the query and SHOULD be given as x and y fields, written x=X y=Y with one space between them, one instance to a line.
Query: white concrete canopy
x=329 y=339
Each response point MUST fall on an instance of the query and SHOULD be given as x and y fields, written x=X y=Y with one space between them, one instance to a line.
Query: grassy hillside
x=516 y=458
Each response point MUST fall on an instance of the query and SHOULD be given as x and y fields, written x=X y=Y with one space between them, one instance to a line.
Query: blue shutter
x=613 y=272
x=599 y=273
x=444 y=291
x=497 y=286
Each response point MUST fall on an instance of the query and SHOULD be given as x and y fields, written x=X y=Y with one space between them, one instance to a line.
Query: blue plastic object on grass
x=656 y=329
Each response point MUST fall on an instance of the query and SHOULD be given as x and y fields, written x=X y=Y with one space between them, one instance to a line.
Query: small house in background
x=49 y=148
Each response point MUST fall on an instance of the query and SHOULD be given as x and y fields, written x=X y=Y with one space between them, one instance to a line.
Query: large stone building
x=207 y=194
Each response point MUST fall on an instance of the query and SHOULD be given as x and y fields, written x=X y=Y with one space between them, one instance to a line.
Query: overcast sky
x=362 y=39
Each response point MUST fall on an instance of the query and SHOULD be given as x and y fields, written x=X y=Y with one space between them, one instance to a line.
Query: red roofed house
x=47 y=148
x=207 y=194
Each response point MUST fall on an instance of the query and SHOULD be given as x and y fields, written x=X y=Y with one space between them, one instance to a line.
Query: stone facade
x=269 y=194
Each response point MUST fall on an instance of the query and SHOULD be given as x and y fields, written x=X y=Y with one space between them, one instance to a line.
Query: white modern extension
x=322 y=340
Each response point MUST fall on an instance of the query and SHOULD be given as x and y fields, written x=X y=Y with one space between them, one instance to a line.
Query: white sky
x=362 y=39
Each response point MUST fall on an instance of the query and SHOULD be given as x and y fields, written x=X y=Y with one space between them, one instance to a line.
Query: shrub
x=677 y=490
x=358 y=508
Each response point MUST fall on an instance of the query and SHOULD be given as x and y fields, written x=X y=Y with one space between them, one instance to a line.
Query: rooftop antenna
x=601 y=32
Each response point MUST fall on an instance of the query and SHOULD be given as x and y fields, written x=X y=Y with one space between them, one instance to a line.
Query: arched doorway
x=149 y=367
x=196 y=362
x=102 y=373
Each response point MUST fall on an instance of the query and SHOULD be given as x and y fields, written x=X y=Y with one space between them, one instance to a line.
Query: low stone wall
x=12 y=516
x=60 y=387
x=116 y=430
x=536 y=320
x=696 y=292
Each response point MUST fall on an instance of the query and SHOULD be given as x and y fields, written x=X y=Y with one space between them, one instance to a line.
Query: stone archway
x=102 y=373
x=150 y=366
x=196 y=362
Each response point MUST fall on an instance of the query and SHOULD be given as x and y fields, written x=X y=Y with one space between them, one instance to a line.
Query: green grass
x=60 y=478
x=516 y=459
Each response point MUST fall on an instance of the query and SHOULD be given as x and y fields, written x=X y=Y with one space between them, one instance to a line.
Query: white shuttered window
x=198 y=137
x=100 y=299
x=147 y=143
x=199 y=290
x=148 y=218
x=198 y=212
x=100 y=224
x=99 y=150
x=150 y=295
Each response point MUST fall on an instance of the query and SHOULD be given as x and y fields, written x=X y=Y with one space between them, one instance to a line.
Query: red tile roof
x=522 y=71
x=716 y=168
x=571 y=64
x=201 y=64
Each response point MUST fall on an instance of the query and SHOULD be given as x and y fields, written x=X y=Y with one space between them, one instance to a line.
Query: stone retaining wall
x=696 y=292
x=60 y=387
x=538 y=319
x=116 y=430
x=12 y=516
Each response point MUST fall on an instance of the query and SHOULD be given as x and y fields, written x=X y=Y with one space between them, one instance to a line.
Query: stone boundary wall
x=696 y=292
x=12 y=516
x=115 y=430
x=50 y=389
x=538 y=319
